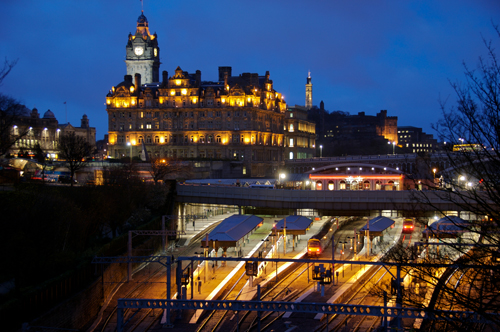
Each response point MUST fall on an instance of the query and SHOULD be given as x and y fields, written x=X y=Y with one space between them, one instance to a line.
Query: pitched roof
x=379 y=224
x=294 y=223
x=234 y=228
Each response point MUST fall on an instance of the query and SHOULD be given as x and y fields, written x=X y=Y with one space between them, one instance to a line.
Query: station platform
x=212 y=278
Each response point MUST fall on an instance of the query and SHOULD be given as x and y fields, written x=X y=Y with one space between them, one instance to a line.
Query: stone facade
x=46 y=132
x=300 y=134
x=239 y=119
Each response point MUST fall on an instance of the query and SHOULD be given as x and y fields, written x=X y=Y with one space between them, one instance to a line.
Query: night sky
x=363 y=55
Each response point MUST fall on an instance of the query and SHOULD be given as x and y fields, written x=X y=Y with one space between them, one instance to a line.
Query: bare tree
x=469 y=178
x=10 y=112
x=7 y=67
x=75 y=150
x=168 y=169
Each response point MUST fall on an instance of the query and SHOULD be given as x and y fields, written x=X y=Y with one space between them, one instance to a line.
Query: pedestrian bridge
x=340 y=202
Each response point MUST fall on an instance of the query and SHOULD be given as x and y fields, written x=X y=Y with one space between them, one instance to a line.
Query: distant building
x=235 y=119
x=358 y=134
x=46 y=131
x=300 y=134
x=414 y=140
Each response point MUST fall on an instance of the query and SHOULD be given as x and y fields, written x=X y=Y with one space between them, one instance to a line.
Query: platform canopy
x=450 y=226
x=295 y=225
x=231 y=230
x=378 y=225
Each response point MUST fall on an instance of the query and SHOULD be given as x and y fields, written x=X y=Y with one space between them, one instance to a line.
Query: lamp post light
x=434 y=171
x=130 y=144
x=321 y=151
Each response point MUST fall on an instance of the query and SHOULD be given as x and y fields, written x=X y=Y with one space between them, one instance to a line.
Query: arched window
x=148 y=139
x=291 y=155
x=330 y=185
x=342 y=185
x=157 y=139
x=202 y=139
x=378 y=185
x=209 y=139
x=366 y=185
x=354 y=185
x=319 y=185
x=218 y=139
x=140 y=139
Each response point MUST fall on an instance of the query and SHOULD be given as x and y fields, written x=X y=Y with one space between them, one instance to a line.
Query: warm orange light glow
x=172 y=92
x=133 y=142
x=223 y=100
x=177 y=82
x=132 y=89
x=224 y=141
x=108 y=101
x=162 y=139
x=342 y=177
x=113 y=89
x=194 y=100
x=133 y=101
x=249 y=99
x=184 y=92
x=247 y=140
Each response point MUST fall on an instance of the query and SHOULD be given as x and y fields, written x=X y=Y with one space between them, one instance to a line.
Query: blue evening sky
x=363 y=55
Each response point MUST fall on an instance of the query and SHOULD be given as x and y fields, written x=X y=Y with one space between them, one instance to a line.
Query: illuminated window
x=291 y=142
x=342 y=185
x=319 y=185
x=148 y=125
x=202 y=139
x=290 y=156
x=366 y=185
x=330 y=185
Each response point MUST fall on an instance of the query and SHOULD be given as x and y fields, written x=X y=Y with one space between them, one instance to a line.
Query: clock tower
x=143 y=53
x=309 y=92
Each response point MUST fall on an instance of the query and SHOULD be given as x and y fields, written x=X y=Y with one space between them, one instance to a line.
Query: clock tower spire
x=143 y=53
x=309 y=92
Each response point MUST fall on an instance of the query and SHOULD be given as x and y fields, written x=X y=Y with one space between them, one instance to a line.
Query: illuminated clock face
x=138 y=50
x=156 y=52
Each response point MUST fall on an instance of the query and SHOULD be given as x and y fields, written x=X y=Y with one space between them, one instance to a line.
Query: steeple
x=309 y=92
x=143 y=53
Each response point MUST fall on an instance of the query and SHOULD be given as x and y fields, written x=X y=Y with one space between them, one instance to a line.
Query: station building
x=239 y=119
x=356 y=176
x=32 y=129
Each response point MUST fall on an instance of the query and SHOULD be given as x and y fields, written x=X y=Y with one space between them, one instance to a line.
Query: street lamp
x=321 y=151
x=434 y=171
x=130 y=144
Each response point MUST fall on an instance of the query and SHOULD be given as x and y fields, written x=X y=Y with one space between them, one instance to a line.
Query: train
x=408 y=225
x=314 y=247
